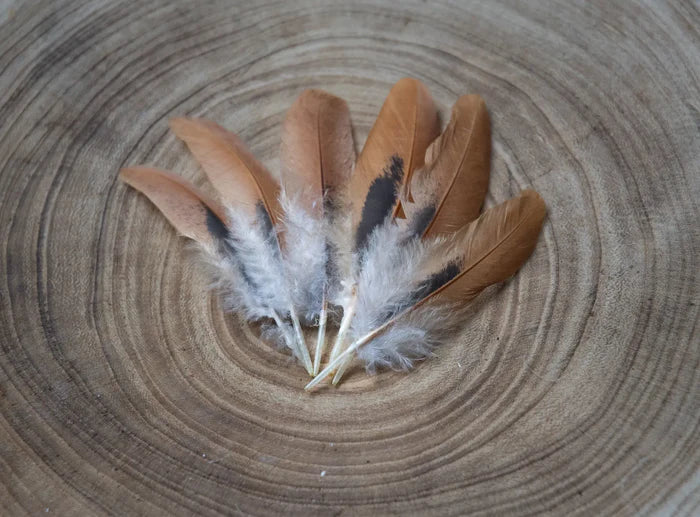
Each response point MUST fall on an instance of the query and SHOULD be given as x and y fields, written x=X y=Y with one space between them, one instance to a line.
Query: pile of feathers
x=390 y=248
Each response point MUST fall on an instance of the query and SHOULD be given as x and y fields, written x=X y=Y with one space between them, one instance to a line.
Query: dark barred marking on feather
x=380 y=201
x=227 y=241
x=263 y=217
x=422 y=219
x=231 y=241
x=432 y=283
x=436 y=281
x=215 y=226
x=224 y=239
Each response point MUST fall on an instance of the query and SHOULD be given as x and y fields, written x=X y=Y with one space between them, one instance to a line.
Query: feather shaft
x=331 y=366
x=321 y=338
x=303 y=349
x=341 y=369
x=345 y=322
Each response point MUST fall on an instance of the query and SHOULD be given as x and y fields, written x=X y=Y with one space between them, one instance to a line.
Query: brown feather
x=494 y=247
x=317 y=148
x=187 y=209
x=240 y=179
x=394 y=149
x=457 y=169
x=487 y=251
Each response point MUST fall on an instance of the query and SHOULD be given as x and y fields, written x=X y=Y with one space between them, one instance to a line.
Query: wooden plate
x=574 y=388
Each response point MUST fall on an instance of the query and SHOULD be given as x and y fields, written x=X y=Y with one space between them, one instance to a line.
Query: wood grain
x=574 y=389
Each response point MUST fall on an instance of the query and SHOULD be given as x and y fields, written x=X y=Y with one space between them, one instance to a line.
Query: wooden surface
x=574 y=389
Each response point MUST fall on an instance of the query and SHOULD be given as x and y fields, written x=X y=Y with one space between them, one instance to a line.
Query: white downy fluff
x=306 y=257
x=248 y=273
x=413 y=337
x=340 y=257
x=262 y=284
x=392 y=269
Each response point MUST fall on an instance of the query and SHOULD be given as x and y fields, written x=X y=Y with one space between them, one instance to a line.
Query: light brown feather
x=179 y=201
x=240 y=179
x=317 y=148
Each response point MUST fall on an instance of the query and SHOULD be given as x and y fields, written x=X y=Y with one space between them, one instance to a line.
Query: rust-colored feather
x=188 y=210
x=395 y=148
x=494 y=247
x=317 y=148
x=457 y=170
x=240 y=179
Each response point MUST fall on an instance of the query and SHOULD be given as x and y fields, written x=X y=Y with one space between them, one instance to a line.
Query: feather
x=305 y=257
x=230 y=253
x=252 y=195
x=452 y=190
x=250 y=259
x=487 y=251
x=241 y=180
x=317 y=158
x=190 y=212
x=317 y=149
x=395 y=148
x=494 y=247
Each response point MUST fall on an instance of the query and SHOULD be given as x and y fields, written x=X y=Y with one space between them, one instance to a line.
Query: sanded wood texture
x=573 y=389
